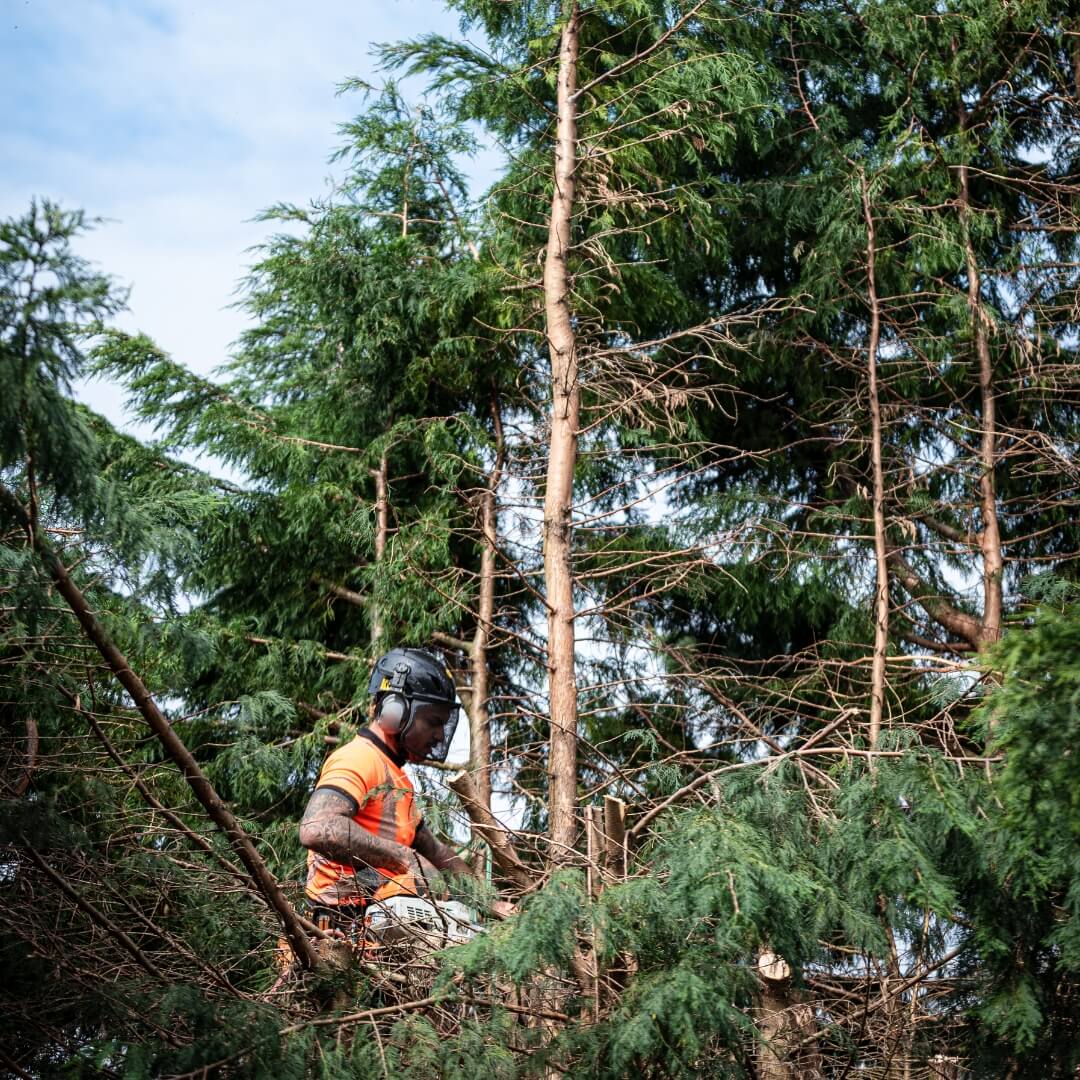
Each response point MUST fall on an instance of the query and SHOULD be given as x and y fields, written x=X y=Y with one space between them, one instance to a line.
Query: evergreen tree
x=92 y=524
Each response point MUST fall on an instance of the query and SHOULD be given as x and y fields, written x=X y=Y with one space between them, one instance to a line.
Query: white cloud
x=180 y=120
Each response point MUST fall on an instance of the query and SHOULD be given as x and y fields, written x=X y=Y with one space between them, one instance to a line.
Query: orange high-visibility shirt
x=367 y=771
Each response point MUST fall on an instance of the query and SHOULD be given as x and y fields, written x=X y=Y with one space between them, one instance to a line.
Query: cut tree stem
x=558 y=496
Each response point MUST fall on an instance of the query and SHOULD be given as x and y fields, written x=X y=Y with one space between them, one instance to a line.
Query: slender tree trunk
x=558 y=499
x=990 y=534
x=881 y=588
x=1076 y=59
x=405 y=189
x=479 y=716
x=33 y=743
x=382 y=527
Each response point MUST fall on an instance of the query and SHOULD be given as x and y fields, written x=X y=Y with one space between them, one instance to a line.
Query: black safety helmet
x=403 y=679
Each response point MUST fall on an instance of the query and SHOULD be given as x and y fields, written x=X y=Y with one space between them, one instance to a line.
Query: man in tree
x=364 y=833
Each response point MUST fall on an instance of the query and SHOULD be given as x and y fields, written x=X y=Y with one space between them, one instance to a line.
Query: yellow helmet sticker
x=385 y=684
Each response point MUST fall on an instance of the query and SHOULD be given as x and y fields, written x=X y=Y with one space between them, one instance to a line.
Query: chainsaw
x=433 y=924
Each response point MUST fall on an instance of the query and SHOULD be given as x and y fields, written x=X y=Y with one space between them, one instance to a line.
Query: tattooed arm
x=328 y=828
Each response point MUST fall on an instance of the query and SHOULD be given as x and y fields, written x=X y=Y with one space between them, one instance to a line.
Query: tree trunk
x=990 y=533
x=558 y=499
x=788 y=1027
x=881 y=587
x=479 y=717
x=614 y=837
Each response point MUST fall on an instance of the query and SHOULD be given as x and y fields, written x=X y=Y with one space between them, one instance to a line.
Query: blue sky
x=179 y=120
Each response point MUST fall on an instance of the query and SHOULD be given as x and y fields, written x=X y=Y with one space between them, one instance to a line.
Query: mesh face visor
x=435 y=712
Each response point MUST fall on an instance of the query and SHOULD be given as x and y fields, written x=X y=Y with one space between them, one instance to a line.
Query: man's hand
x=406 y=862
x=442 y=857
x=425 y=878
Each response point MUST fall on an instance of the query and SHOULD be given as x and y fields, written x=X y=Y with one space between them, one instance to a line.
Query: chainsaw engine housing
x=431 y=923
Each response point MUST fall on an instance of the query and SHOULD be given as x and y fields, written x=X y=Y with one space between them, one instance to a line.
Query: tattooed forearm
x=328 y=828
x=343 y=841
x=325 y=800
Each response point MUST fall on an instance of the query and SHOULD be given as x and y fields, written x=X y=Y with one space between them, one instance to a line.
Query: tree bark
x=990 y=533
x=787 y=1026
x=881 y=585
x=558 y=498
x=479 y=716
x=615 y=837
x=774 y=974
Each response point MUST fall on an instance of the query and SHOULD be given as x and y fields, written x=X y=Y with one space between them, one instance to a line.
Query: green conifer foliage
x=366 y=371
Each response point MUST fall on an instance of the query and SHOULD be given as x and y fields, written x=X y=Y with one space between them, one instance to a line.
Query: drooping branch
x=172 y=744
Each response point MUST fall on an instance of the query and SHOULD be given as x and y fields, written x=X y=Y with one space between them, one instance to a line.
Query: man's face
x=426 y=730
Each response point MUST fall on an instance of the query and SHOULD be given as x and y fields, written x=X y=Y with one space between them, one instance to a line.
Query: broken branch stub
x=485 y=824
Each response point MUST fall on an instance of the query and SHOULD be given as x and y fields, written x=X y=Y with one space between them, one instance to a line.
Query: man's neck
x=385 y=741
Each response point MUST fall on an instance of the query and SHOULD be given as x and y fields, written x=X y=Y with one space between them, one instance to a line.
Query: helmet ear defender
x=394 y=710
x=394 y=713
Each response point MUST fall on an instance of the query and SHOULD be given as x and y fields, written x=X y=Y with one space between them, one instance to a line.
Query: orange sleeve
x=352 y=771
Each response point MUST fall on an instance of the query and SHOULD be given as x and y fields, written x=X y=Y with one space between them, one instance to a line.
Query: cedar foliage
x=921 y=884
